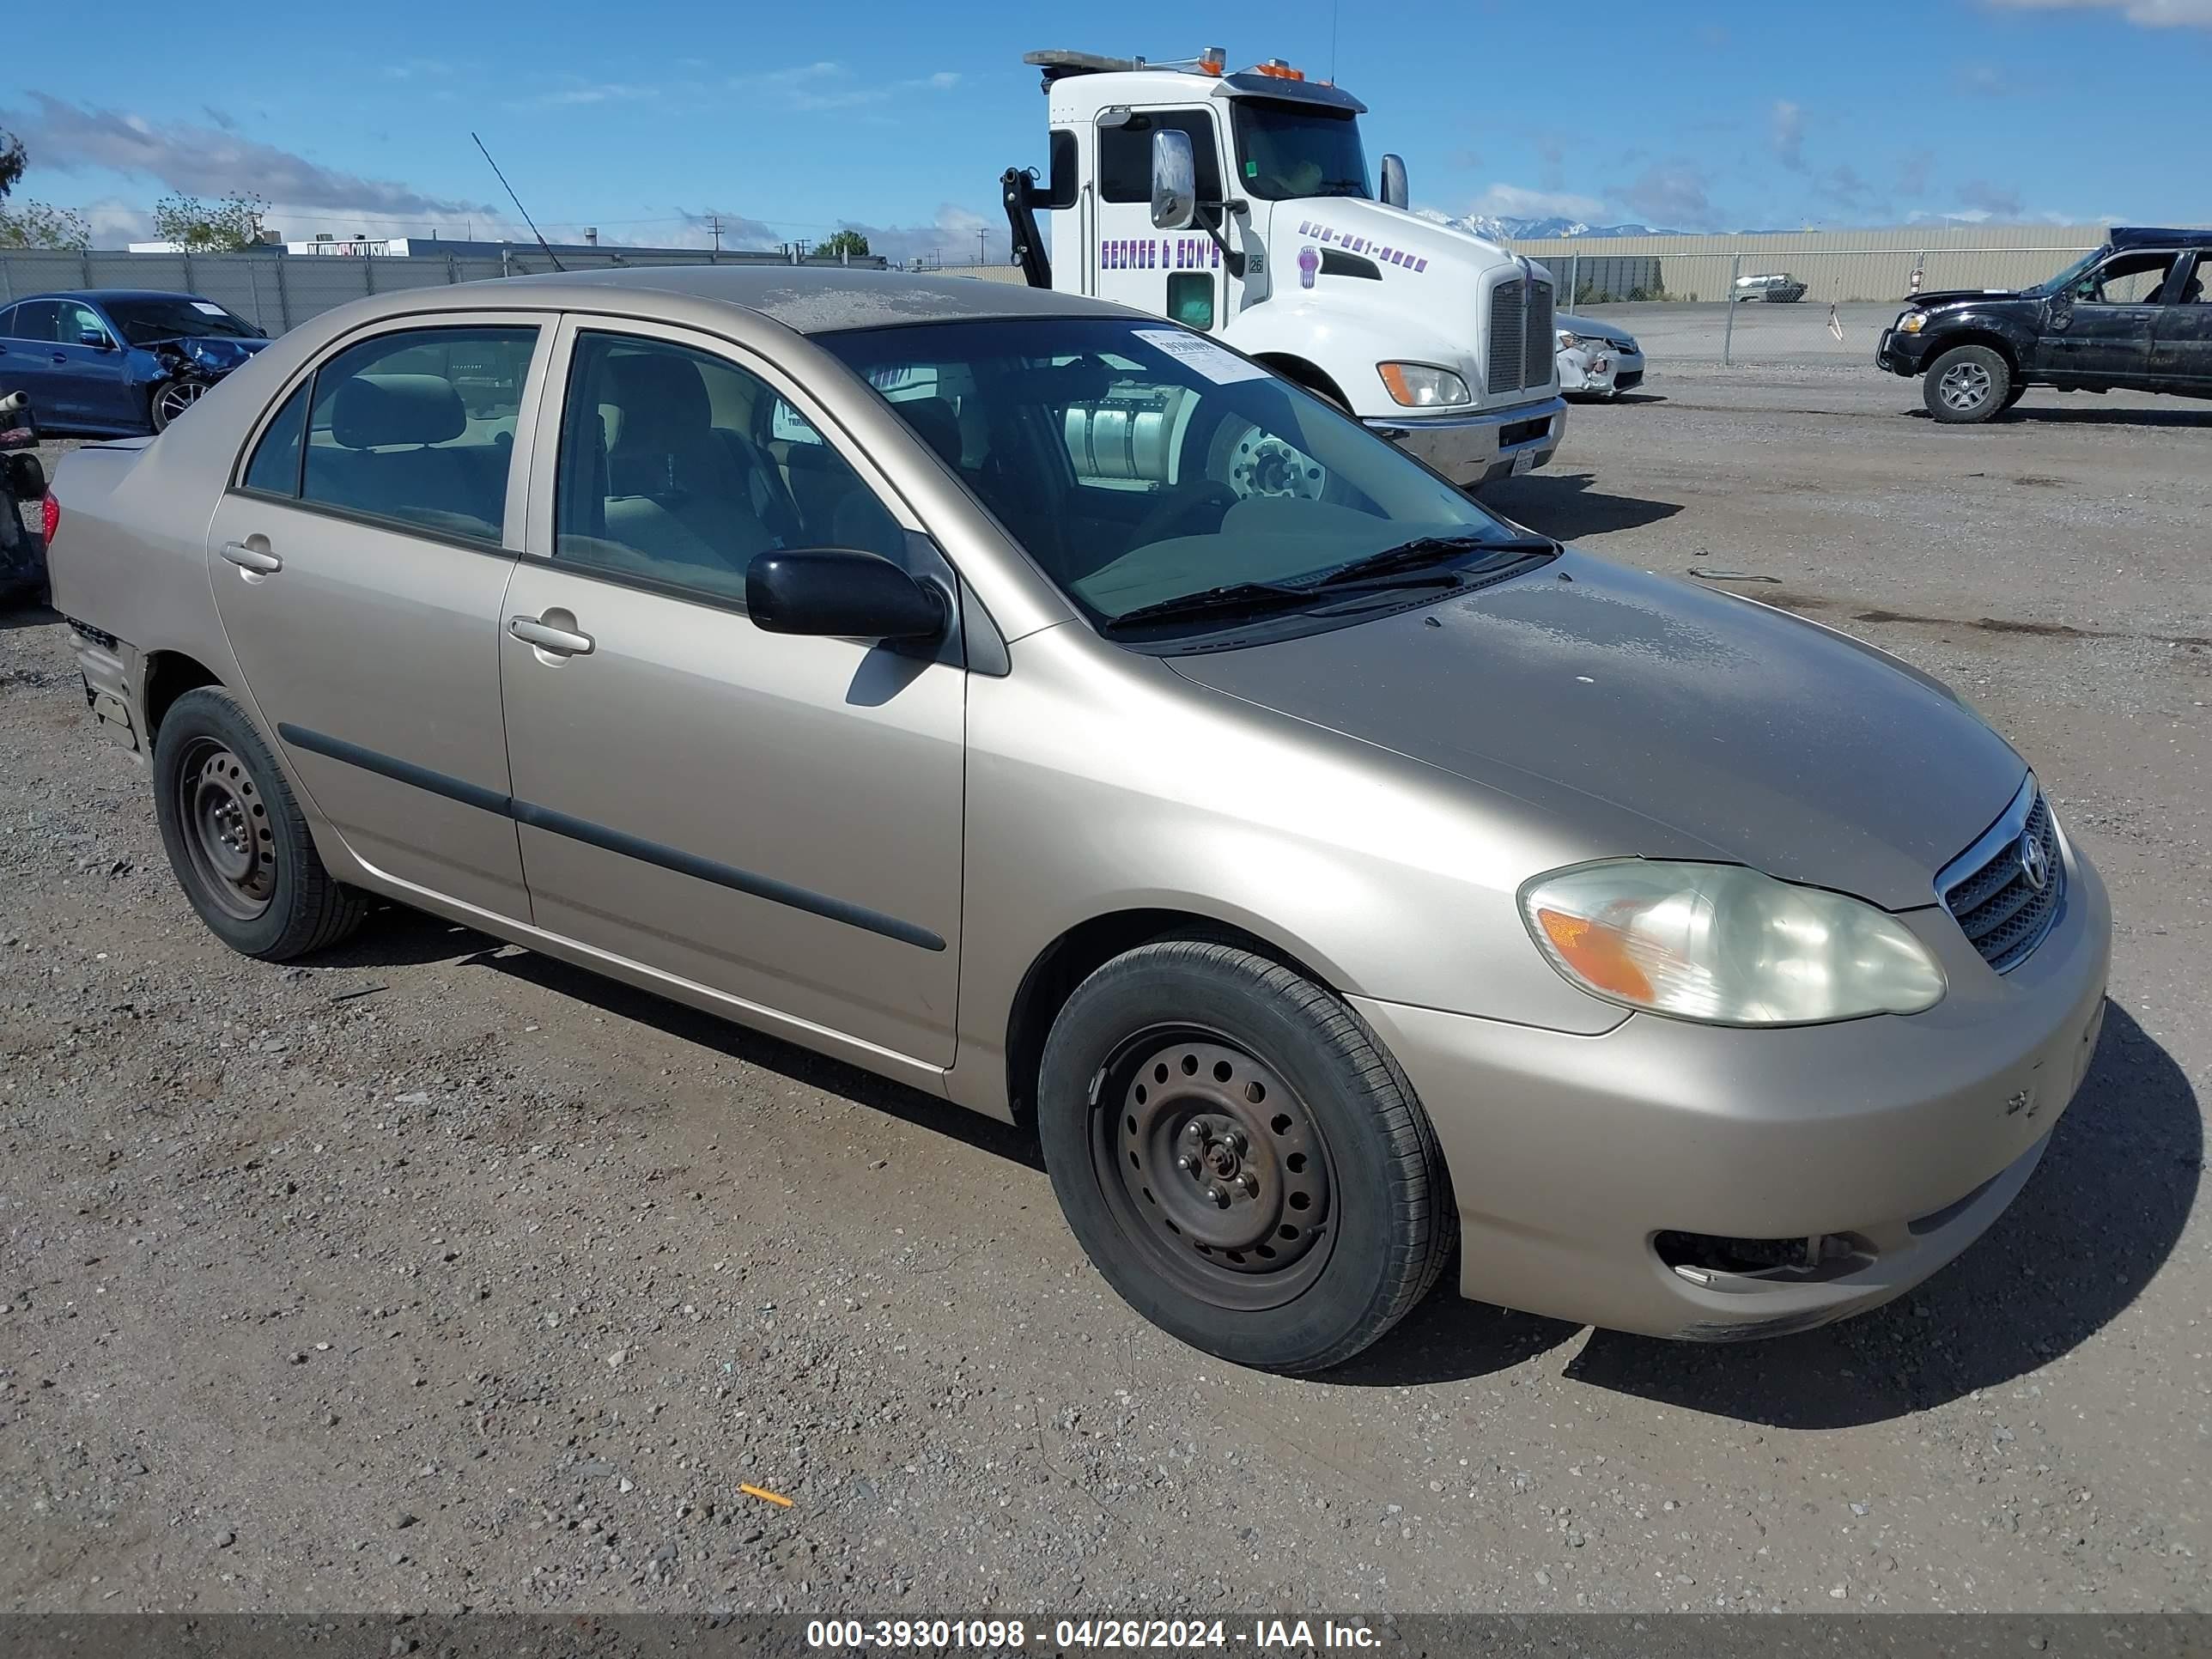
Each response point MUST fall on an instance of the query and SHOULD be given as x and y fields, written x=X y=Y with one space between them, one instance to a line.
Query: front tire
x=172 y=398
x=1239 y=1157
x=1966 y=385
x=236 y=838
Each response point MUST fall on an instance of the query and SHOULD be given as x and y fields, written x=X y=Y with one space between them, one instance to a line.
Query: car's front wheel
x=1967 y=384
x=236 y=838
x=172 y=398
x=1241 y=1159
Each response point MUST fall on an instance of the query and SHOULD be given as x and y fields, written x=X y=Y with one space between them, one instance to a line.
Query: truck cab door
x=2098 y=331
x=2181 y=347
x=1178 y=274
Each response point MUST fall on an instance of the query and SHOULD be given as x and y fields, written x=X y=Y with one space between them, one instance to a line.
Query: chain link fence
x=277 y=291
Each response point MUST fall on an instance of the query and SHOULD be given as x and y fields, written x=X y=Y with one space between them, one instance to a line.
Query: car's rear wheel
x=1239 y=1157
x=172 y=398
x=236 y=838
x=1965 y=384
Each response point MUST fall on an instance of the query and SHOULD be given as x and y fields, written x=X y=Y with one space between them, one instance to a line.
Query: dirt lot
x=437 y=1275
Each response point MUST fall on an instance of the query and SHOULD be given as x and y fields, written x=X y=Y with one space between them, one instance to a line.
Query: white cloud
x=1503 y=201
x=1789 y=134
x=602 y=92
x=210 y=161
x=2151 y=13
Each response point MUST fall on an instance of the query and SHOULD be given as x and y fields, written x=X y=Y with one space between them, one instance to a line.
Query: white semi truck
x=1240 y=203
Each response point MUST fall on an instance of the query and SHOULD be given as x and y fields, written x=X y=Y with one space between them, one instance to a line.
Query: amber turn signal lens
x=1597 y=953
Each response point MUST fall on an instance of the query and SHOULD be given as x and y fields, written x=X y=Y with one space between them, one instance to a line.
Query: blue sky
x=787 y=120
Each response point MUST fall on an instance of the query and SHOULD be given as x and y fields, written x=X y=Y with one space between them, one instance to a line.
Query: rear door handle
x=260 y=563
x=561 y=642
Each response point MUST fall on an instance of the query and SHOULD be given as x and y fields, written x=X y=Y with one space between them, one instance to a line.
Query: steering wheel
x=1183 y=502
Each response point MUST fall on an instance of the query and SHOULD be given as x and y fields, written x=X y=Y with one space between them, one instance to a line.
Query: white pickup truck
x=1240 y=203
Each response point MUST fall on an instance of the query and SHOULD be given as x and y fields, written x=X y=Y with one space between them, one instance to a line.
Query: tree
x=13 y=160
x=36 y=224
x=230 y=226
x=844 y=242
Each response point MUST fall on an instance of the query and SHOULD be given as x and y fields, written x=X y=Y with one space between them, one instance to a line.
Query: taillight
x=50 y=517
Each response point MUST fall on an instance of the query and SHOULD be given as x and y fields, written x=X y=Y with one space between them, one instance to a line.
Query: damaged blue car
x=118 y=362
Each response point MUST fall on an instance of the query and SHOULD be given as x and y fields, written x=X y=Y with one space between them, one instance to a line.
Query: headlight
x=1568 y=340
x=1913 y=322
x=1725 y=944
x=1418 y=385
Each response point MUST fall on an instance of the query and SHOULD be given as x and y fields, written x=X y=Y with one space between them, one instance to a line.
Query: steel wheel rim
x=1215 y=1167
x=1964 y=385
x=178 y=397
x=1261 y=464
x=224 y=824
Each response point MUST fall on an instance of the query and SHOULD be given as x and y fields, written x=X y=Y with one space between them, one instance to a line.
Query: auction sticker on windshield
x=1195 y=351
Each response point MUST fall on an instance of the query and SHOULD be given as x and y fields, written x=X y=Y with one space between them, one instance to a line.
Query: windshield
x=144 y=321
x=1141 y=464
x=1286 y=150
x=2069 y=276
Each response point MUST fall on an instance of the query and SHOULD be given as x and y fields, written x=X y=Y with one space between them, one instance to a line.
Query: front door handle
x=260 y=561
x=561 y=642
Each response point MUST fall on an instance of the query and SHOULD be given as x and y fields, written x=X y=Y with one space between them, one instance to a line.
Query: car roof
x=820 y=300
x=102 y=296
x=2158 y=236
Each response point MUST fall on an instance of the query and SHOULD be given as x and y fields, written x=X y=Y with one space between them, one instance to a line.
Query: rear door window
x=274 y=468
x=37 y=320
x=418 y=427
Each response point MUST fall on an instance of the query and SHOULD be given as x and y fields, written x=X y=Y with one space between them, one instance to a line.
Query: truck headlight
x=1726 y=946
x=1419 y=385
x=1913 y=322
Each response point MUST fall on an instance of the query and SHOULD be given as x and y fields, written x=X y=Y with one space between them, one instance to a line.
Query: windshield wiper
x=1432 y=549
x=1255 y=599
x=1245 y=598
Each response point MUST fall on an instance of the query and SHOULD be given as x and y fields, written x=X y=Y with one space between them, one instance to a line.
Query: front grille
x=2004 y=914
x=1542 y=345
x=1508 y=326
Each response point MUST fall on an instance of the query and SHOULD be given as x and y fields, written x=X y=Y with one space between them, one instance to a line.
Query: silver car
x=1050 y=708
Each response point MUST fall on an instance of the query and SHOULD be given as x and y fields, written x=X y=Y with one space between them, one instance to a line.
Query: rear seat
x=381 y=459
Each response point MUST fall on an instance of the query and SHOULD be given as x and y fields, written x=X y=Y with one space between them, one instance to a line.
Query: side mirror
x=1394 y=192
x=840 y=591
x=1174 y=181
x=95 y=337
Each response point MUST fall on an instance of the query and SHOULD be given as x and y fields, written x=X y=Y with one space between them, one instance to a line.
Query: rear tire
x=1239 y=1157
x=1966 y=386
x=236 y=838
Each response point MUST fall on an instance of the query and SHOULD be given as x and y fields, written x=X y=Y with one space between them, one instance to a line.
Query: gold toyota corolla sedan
x=1048 y=707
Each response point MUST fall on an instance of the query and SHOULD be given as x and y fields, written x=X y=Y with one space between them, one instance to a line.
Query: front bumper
x=1901 y=354
x=1575 y=1160
x=1480 y=447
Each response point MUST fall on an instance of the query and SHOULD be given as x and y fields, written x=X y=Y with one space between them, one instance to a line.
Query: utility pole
x=979 y=235
x=716 y=224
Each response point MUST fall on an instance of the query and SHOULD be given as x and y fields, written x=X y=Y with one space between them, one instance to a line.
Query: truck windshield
x=1139 y=463
x=1285 y=151
x=2067 y=277
x=144 y=321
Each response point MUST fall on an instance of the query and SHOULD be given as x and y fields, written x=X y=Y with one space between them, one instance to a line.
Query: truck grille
x=1508 y=321
x=2004 y=913
x=1542 y=348
x=1521 y=345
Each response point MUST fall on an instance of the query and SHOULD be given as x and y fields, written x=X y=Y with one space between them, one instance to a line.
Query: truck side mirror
x=1395 y=193
x=1174 y=181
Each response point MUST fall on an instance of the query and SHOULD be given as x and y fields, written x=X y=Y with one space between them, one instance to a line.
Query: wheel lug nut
x=1187 y=1164
x=1251 y=1183
x=1215 y=1195
x=1195 y=1130
x=1238 y=1141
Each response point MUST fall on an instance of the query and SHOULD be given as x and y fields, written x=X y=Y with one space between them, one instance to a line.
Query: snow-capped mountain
x=1509 y=230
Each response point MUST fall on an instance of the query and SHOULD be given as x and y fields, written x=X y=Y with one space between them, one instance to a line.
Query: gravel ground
x=438 y=1275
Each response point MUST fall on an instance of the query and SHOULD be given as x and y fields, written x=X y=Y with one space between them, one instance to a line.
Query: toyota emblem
x=2034 y=863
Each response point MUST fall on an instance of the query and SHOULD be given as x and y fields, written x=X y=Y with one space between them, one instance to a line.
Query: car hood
x=1959 y=297
x=1688 y=723
x=211 y=354
x=1594 y=328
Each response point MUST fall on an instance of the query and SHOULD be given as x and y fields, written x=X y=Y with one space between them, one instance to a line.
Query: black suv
x=2133 y=314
